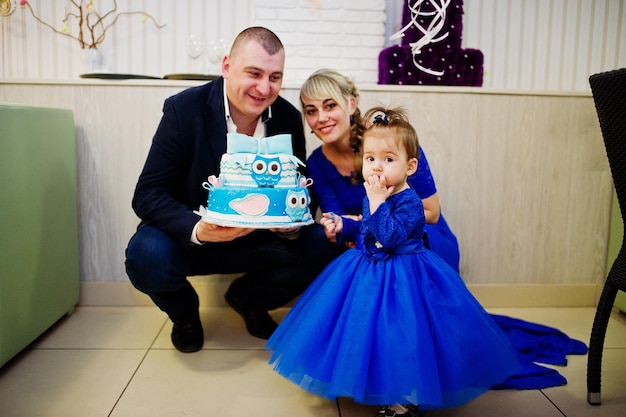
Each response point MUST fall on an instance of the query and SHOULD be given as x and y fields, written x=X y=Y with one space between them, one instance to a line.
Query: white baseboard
x=536 y=295
x=211 y=292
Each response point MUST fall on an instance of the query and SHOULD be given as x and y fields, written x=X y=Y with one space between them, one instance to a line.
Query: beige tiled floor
x=119 y=362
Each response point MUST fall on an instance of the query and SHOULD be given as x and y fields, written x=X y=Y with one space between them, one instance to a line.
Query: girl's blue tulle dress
x=390 y=322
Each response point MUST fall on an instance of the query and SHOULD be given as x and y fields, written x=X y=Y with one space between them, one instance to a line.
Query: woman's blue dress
x=390 y=322
x=336 y=193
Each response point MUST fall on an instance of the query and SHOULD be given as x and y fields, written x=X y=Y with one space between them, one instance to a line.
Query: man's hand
x=207 y=232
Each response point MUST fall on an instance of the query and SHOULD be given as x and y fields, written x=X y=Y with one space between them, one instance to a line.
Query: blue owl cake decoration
x=259 y=185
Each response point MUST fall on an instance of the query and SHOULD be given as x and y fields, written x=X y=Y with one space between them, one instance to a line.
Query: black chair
x=609 y=95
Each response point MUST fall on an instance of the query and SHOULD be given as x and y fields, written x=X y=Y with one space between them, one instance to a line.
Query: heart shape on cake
x=252 y=205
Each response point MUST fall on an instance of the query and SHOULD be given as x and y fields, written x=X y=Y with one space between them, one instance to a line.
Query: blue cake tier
x=260 y=208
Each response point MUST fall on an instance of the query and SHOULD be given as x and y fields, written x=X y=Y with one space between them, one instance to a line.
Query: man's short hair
x=268 y=39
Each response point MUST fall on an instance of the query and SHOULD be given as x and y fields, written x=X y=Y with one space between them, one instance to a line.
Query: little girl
x=390 y=322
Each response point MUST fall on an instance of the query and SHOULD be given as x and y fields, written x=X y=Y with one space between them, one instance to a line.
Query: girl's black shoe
x=412 y=411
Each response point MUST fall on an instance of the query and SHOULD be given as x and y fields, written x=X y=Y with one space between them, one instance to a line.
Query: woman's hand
x=287 y=230
x=290 y=233
x=431 y=209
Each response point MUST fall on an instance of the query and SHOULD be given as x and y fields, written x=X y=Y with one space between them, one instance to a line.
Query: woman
x=330 y=106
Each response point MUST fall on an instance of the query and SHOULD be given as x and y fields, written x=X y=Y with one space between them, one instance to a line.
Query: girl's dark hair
x=383 y=118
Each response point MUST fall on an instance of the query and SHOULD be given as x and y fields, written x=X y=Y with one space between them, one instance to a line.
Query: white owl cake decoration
x=259 y=185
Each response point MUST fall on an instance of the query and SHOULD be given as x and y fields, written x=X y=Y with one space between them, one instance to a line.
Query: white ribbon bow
x=430 y=33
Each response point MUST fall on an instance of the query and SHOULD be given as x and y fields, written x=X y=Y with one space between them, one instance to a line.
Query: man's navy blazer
x=187 y=147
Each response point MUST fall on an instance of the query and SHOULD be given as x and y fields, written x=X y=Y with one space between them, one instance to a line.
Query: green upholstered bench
x=39 y=266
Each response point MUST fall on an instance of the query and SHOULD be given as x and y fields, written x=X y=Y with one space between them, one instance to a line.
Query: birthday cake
x=259 y=185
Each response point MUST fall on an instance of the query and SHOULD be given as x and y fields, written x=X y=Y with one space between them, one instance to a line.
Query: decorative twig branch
x=95 y=29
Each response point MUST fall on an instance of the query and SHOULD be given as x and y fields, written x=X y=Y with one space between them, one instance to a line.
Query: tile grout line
x=552 y=402
x=143 y=358
x=338 y=406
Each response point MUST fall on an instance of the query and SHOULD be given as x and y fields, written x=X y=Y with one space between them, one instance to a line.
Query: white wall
x=346 y=35
x=510 y=169
x=535 y=45
x=30 y=50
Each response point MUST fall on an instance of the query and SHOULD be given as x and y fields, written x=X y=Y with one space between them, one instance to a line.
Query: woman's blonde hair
x=327 y=83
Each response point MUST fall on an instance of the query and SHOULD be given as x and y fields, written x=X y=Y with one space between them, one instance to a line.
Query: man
x=172 y=243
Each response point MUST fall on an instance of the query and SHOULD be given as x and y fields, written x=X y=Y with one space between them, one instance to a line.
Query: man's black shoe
x=188 y=336
x=258 y=322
